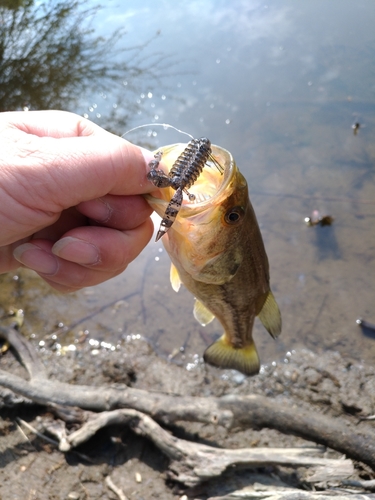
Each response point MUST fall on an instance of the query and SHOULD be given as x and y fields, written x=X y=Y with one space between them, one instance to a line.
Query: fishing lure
x=184 y=172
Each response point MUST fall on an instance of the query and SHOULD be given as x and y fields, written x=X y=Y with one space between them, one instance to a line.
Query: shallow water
x=279 y=85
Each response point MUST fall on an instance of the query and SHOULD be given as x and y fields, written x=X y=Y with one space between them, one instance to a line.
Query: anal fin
x=202 y=314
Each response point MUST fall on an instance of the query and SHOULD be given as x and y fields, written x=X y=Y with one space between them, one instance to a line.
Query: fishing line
x=164 y=125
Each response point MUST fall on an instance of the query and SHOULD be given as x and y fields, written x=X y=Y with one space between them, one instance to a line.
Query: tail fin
x=224 y=355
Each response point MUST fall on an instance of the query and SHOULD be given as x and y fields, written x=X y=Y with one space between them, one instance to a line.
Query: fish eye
x=234 y=215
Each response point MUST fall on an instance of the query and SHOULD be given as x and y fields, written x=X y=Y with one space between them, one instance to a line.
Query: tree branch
x=229 y=411
x=192 y=463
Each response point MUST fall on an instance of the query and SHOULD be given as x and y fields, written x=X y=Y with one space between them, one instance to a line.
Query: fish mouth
x=210 y=187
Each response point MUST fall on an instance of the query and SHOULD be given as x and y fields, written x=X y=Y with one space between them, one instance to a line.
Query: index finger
x=74 y=159
x=50 y=123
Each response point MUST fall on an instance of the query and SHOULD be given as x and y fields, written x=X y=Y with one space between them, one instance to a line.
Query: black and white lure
x=184 y=172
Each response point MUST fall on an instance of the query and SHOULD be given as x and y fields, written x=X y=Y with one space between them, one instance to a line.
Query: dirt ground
x=31 y=468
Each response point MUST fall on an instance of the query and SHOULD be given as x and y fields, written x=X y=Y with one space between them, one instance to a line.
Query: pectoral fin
x=175 y=278
x=223 y=355
x=220 y=269
x=270 y=315
x=202 y=314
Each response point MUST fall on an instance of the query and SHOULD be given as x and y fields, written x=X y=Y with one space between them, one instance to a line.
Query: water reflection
x=14 y=4
x=51 y=58
x=326 y=243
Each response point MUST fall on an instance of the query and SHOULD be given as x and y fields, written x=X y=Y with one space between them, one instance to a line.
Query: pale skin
x=70 y=199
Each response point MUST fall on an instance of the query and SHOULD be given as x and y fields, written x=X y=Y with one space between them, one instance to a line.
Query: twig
x=25 y=351
x=37 y=433
x=115 y=489
x=25 y=437
x=366 y=485
x=48 y=439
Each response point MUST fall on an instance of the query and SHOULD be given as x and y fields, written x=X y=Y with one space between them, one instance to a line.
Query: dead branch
x=192 y=463
x=115 y=488
x=47 y=439
x=229 y=411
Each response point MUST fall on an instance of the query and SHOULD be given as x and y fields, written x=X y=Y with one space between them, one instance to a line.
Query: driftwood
x=191 y=463
x=229 y=411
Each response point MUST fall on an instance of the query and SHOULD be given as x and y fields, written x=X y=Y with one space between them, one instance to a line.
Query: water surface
x=278 y=84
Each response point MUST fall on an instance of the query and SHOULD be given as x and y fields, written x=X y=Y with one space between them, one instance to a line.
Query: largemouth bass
x=217 y=252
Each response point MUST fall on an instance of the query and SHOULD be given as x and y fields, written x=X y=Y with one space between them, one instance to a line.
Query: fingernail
x=76 y=250
x=36 y=259
x=147 y=155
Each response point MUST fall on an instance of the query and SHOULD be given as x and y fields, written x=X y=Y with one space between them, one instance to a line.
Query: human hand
x=71 y=206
